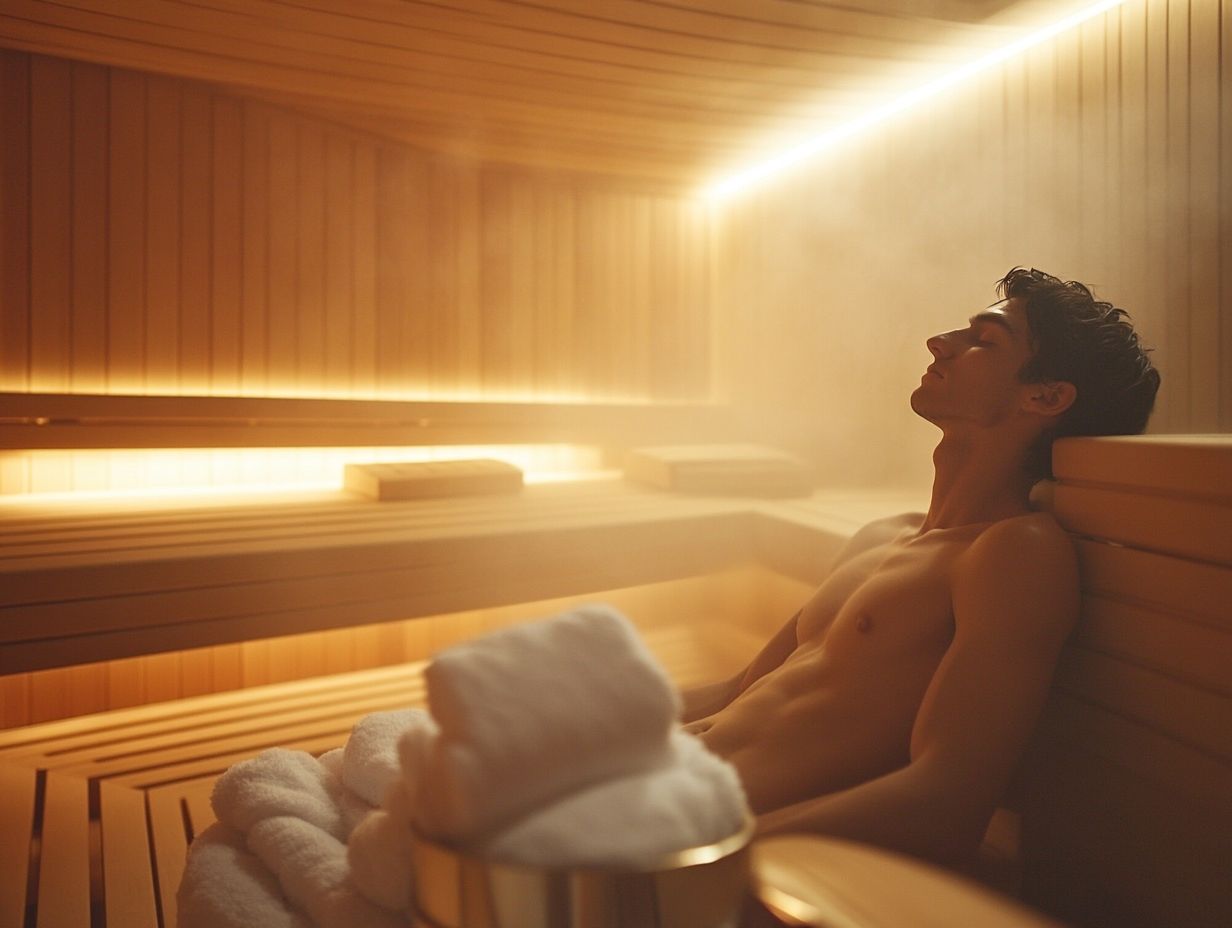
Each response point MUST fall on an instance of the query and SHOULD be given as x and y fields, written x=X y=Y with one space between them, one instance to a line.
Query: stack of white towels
x=553 y=743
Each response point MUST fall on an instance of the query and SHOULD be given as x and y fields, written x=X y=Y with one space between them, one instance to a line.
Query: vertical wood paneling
x=185 y=239
x=196 y=236
x=637 y=312
x=524 y=311
x=664 y=374
x=282 y=345
x=126 y=234
x=563 y=248
x=394 y=200
x=162 y=241
x=1224 y=301
x=226 y=277
x=696 y=346
x=416 y=370
x=364 y=255
x=588 y=288
x=1133 y=259
x=1176 y=193
x=310 y=259
x=1202 y=196
x=497 y=364
x=1114 y=159
x=339 y=285
x=88 y=369
x=1095 y=163
x=254 y=304
x=15 y=221
x=51 y=127
x=1169 y=415
x=442 y=276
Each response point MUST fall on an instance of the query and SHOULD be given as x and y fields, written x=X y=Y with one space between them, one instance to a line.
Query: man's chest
x=891 y=599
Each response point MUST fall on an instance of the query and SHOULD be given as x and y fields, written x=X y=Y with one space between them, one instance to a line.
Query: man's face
x=974 y=374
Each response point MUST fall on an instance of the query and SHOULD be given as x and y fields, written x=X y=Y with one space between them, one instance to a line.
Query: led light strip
x=742 y=180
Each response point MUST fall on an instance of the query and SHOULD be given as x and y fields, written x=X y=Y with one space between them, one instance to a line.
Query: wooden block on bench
x=743 y=470
x=433 y=479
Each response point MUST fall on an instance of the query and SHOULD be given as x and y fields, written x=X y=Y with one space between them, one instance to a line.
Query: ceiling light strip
x=742 y=180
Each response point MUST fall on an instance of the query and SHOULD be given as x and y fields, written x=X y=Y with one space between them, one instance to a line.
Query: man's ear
x=1051 y=398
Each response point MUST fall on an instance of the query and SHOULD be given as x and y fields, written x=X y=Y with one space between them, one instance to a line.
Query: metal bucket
x=699 y=887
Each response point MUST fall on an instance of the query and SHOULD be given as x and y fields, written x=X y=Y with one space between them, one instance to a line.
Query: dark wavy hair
x=1091 y=344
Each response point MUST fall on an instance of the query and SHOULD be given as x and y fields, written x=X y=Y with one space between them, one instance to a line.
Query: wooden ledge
x=33 y=421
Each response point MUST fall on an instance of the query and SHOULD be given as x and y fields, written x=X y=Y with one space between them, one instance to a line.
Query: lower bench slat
x=127 y=878
x=17 y=789
x=64 y=858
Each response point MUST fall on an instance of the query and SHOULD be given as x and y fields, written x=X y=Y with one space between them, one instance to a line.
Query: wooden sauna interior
x=244 y=243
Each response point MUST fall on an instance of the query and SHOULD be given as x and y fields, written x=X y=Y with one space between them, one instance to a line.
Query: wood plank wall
x=161 y=235
x=1104 y=156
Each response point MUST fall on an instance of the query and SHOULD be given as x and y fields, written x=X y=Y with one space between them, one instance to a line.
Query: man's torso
x=840 y=709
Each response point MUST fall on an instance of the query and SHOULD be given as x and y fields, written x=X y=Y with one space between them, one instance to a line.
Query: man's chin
x=921 y=407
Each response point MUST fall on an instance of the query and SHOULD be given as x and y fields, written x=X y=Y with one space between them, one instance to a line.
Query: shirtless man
x=894 y=706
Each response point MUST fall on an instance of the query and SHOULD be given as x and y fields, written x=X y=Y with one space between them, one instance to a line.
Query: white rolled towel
x=370 y=759
x=311 y=866
x=281 y=782
x=226 y=886
x=694 y=799
x=530 y=713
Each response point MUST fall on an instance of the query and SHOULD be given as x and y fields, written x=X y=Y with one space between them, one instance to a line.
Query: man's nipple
x=864 y=624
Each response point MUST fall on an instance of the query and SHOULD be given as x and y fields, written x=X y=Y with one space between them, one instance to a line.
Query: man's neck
x=976 y=481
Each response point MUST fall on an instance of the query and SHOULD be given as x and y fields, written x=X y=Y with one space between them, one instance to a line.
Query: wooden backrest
x=1127 y=792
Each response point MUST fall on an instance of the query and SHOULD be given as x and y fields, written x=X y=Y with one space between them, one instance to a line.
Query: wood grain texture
x=165 y=235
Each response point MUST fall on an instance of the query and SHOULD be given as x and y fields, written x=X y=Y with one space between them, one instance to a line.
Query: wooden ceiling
x=665 y=92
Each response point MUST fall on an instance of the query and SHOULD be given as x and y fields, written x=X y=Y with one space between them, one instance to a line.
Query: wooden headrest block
x=1176 y=465
x=1168 y=493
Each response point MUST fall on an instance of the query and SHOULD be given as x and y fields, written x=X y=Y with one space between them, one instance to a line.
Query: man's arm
x=1015 y=597
x=706 y=700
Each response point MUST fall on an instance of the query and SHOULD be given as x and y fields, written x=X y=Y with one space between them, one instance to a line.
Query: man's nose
x=939 y=345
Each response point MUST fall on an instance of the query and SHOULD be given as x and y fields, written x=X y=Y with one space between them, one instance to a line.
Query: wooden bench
x=85 y=584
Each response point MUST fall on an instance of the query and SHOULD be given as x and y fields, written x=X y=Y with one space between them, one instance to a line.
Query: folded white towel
x=226 y=886
x=694 y=799
x=311 y=866
x=280 y=782
x=533 y=712
x=370 y=760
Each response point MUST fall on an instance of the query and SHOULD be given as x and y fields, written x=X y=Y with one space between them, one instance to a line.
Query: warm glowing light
x=100 y=475
x=810 y=148
x=399 y=394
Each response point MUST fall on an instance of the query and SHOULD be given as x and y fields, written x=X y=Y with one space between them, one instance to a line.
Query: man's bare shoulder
x=1020 y=570
x=1036 y=537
